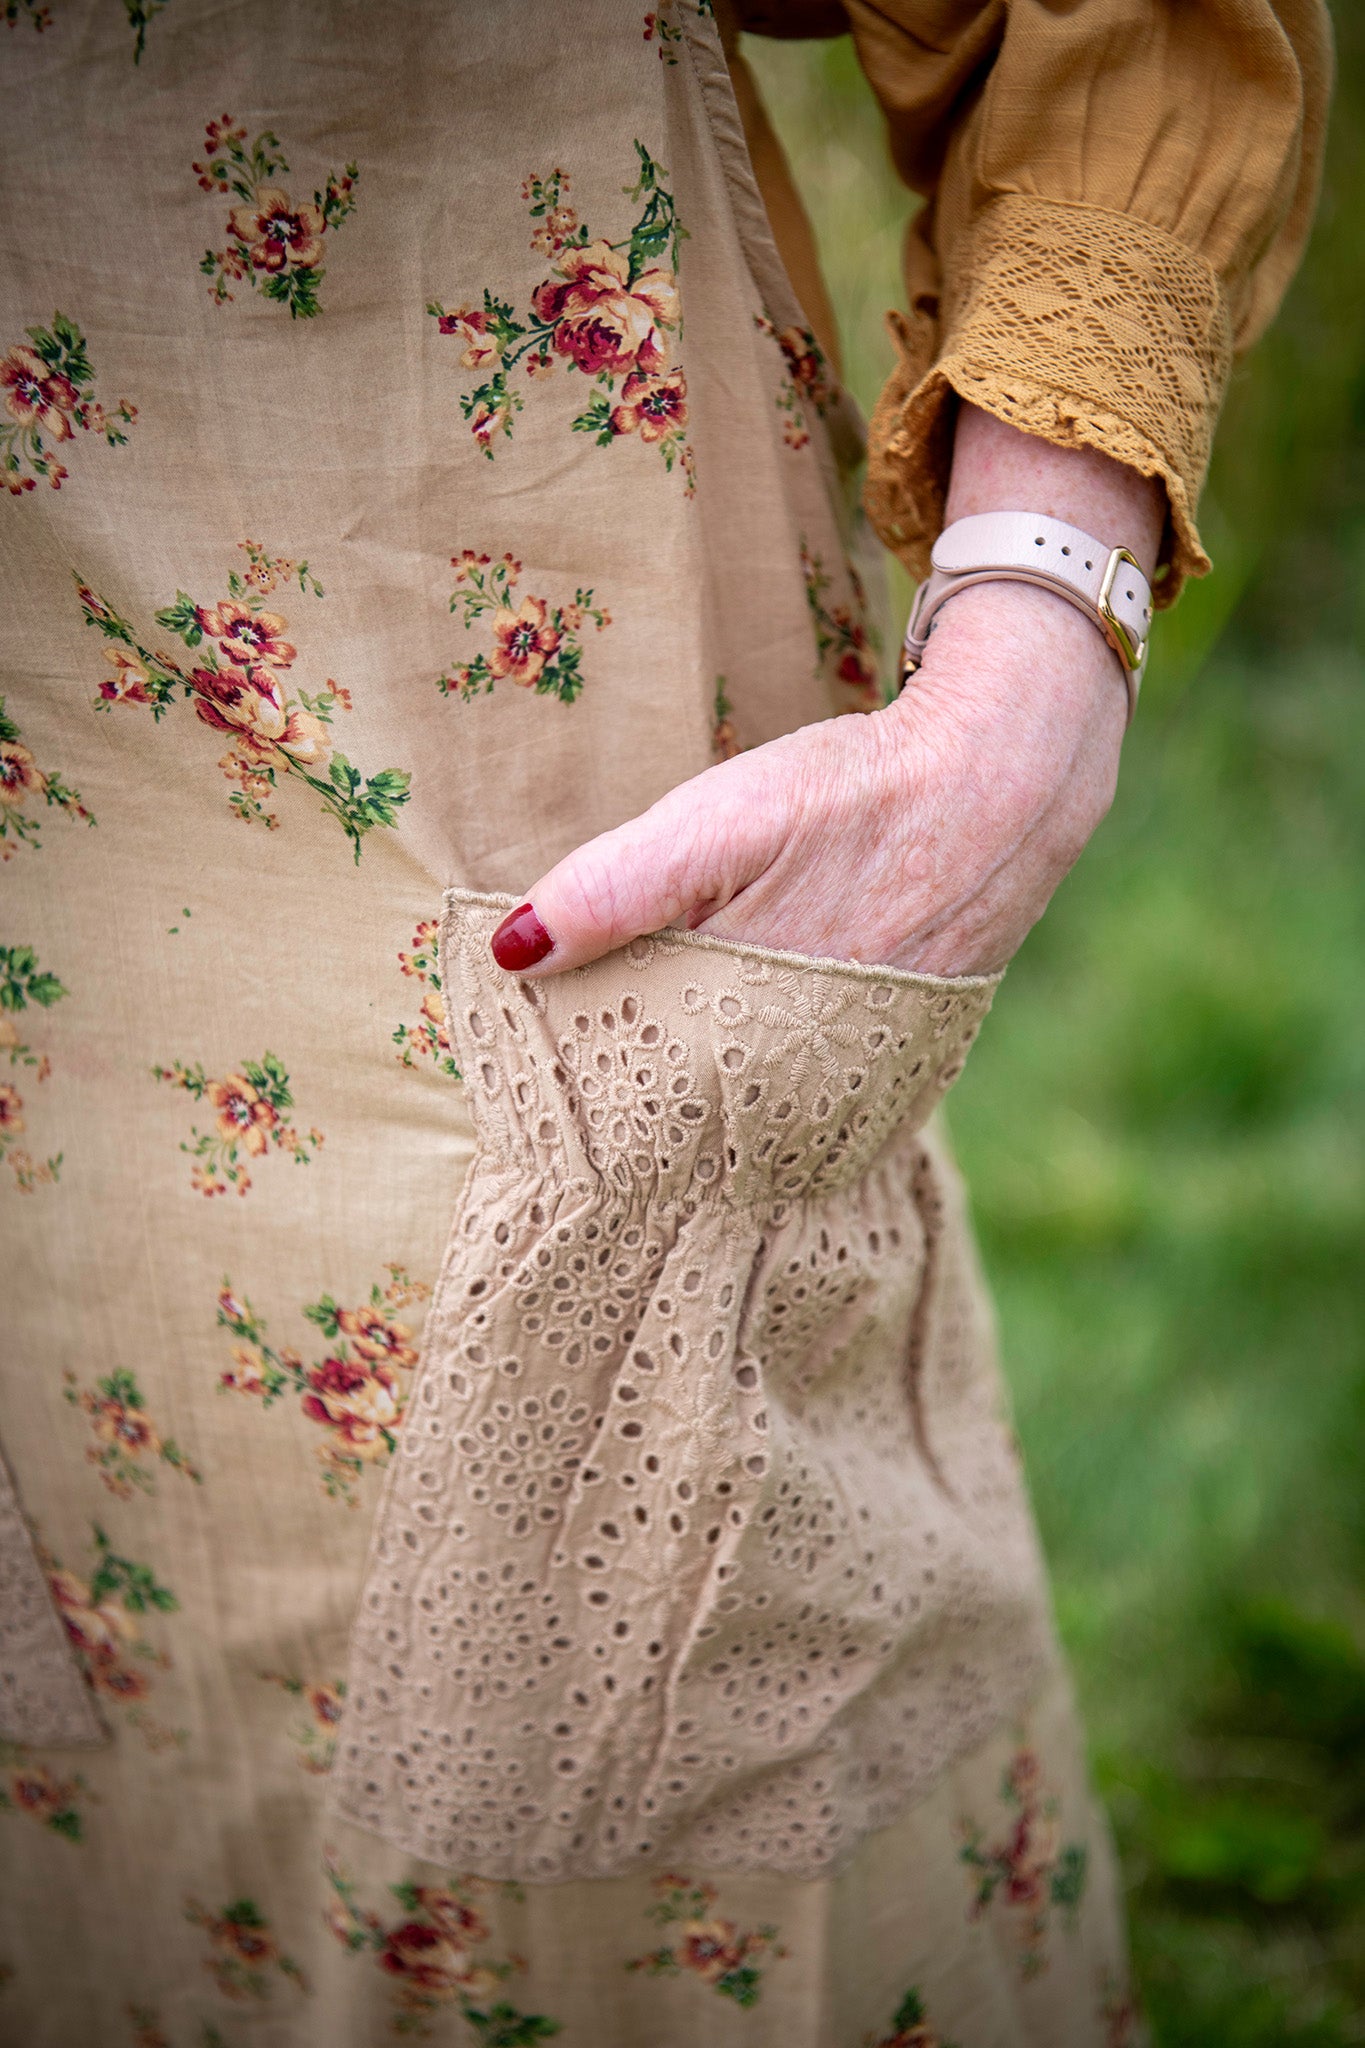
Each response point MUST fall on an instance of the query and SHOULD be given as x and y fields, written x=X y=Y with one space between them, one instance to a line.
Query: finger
x=685 y=855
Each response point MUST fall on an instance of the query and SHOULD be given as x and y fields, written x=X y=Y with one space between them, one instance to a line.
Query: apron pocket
x=589 y=1443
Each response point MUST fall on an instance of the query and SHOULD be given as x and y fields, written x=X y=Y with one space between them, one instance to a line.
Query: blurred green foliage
x=1163 y=1129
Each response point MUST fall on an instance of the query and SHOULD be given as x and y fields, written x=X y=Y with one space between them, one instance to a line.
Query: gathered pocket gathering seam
x=747 y=949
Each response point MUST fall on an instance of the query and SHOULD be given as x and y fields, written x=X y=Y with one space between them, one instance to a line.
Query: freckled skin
x=930 y=835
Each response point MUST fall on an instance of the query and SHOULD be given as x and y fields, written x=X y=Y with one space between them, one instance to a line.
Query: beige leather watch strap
x=1105 y=583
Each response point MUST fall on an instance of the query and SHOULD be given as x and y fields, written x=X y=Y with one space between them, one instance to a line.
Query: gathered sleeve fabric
x=1118 y=192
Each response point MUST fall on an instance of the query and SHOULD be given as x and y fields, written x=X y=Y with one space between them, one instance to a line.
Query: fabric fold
x=678 y=1508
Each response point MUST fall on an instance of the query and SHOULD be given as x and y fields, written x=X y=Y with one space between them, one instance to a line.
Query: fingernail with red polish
x=521 y=940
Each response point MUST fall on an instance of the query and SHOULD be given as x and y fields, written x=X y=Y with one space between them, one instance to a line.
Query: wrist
x=1020 y=707
x=1105 y=586
x=1016 y=663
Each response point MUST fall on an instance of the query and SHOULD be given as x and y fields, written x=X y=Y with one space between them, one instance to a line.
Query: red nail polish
x=521 y=940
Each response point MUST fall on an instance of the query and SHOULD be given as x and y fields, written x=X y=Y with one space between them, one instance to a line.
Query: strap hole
x=1066 y=551
x=1090 y=565
x=1039 y=541
x=1130 y=597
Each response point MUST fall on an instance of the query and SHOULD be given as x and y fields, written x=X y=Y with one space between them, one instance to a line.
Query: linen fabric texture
x=364 y=552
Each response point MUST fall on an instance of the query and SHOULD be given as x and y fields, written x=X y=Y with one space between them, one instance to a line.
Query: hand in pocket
x=928 y=836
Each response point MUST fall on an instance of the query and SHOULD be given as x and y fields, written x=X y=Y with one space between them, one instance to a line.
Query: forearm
x=998 y=469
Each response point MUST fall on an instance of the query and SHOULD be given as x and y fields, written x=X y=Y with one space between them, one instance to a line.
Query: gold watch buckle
x=1132 y=653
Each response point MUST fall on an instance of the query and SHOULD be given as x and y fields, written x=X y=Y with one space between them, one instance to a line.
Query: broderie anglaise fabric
x=43 y=1693
x=702 y=1500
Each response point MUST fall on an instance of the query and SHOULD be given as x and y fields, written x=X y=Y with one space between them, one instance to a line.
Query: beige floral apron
x=417 y=463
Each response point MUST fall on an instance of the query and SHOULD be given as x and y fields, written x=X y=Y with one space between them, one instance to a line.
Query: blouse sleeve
x=1117 y=196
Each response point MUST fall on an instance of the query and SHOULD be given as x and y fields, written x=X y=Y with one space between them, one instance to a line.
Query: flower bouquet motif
x=536 y=645
x=807 y=377
x=910 y=2027
x=713 y=1949
x=243 y=1950
x=105 y=1621
x=49 y=393
x=608 y=310
x=250 y=1120
x=313 y=1735
x=663 y=31
x=22 y=781
x=430 y=1954
x=1030 y=1869
x=274 y=243
x=127 y=1442
x=24 y=982
x=140 y=14
x=240 y=686
x=428 y=1038
x=357 y=1392
x=845 y=644
x=52 y=1802
x=36 y=12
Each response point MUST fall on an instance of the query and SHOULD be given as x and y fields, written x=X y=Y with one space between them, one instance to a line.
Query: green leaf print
x=134 y=1584
x=502 y=2026
x=22 y=981
x=140 y=14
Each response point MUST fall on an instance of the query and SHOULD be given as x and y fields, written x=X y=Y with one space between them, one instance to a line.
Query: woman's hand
x=930 y=835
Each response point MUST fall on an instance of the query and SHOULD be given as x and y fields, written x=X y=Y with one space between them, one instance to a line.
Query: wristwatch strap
x=1021 y=547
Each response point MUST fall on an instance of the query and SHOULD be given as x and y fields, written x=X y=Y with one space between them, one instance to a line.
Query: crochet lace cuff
x=1086 y=327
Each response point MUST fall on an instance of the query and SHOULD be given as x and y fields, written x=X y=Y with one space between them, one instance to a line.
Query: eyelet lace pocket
x=667 y=1525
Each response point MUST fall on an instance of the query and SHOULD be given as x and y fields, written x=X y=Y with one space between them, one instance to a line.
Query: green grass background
x=1163 y=1129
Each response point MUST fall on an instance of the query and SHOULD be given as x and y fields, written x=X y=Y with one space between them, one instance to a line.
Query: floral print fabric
x=427 y=460
x=23 y=784
x=534 y=645
x=273 y=243
x=610 y=310
x=240 y=686
x=49 y=395
x=356 y=1393
x=24 y=987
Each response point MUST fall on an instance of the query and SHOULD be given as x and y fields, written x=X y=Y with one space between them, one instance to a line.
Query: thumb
x=681 y=859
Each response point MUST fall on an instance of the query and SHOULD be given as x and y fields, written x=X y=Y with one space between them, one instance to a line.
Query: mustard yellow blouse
x=1118 y=194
